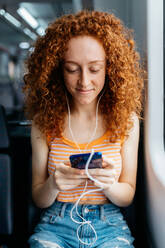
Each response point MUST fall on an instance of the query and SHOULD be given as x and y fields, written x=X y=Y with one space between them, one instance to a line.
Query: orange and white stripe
x=62 y=148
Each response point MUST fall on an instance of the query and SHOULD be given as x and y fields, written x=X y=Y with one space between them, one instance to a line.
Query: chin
x=86 y=101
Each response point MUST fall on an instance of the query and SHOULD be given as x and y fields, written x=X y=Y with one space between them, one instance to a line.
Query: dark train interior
x=18 y=213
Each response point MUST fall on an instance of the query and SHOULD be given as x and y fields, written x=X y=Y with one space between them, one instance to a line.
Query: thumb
x=108 y=162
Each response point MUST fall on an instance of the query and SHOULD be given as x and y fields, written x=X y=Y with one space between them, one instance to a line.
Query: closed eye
x=92 y=70
x=71 y=71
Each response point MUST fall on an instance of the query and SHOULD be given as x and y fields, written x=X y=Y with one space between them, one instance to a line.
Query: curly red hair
x=45 y=101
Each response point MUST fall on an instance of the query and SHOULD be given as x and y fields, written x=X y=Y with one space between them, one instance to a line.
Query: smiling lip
x=84 y=91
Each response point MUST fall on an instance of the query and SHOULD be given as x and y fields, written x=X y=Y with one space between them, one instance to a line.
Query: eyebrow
x=91 y=62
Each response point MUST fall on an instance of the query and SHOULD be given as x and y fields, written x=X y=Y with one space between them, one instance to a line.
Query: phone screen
x=79 y=160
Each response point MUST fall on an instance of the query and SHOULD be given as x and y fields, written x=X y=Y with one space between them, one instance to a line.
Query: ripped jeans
x=57 y=230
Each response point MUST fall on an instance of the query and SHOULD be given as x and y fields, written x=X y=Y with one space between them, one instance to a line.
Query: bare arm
x=122 y=192
x=44 y=190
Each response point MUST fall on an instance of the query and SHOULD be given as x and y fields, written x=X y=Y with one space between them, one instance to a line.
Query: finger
x=69 y=170
x=108 y=162
x=65 y=185
x=104 y=185
x=72 y=182
x=67 y=173
x=105 y=180
x=70 y=176
x=67 y=163
x=105 y=165
x=102 y=172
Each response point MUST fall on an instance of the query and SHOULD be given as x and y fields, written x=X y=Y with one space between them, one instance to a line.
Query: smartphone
x=79 y=160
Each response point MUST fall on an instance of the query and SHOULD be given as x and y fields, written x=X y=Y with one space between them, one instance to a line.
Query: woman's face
x=84 y=69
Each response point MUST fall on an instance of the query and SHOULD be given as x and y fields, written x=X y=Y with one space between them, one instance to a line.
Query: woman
x=84 y=91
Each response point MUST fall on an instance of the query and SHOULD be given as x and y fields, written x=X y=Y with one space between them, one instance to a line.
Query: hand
x=67 y=177
x=106 y=175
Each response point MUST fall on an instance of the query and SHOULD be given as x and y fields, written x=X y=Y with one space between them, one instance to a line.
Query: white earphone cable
x=69 y=123
x=83 y=222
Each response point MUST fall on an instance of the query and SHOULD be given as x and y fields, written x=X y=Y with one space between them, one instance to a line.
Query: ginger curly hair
x=45 y=100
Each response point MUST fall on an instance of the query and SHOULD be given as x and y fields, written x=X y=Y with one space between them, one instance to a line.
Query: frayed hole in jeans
x=48 y=244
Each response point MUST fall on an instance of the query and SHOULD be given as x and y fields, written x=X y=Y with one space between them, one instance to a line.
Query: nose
x=84 y=79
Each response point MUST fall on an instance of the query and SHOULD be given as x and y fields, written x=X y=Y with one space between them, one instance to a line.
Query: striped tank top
x=61 y=148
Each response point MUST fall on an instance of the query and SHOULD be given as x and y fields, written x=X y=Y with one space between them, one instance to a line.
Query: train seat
x=6 y=193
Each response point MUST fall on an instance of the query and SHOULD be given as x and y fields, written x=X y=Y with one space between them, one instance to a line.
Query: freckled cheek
x=70 y=85
x=100 y=82
x=70 y=81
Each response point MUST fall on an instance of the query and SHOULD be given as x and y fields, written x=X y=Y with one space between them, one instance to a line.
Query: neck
x=94 y=108
x=87 y=110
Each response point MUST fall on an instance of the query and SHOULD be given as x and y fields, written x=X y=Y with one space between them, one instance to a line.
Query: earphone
x=84 y=222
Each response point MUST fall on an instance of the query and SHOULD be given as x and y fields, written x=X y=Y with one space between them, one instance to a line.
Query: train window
x=154 y=112
x=164 y=65
x=154 y=123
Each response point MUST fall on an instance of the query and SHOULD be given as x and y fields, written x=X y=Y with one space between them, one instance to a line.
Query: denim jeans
x=56 y=229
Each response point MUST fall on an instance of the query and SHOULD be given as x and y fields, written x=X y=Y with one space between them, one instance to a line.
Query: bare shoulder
x=36 y=133
x=133 y=134
x=37 y=137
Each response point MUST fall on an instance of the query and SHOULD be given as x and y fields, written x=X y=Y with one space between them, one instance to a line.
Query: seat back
x=33 y=211
x=4 y=137
x=7 y=96
x=6 y=195
x=6 y=211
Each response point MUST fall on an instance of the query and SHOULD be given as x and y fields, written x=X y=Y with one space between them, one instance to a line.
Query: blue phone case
x=79 y=160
